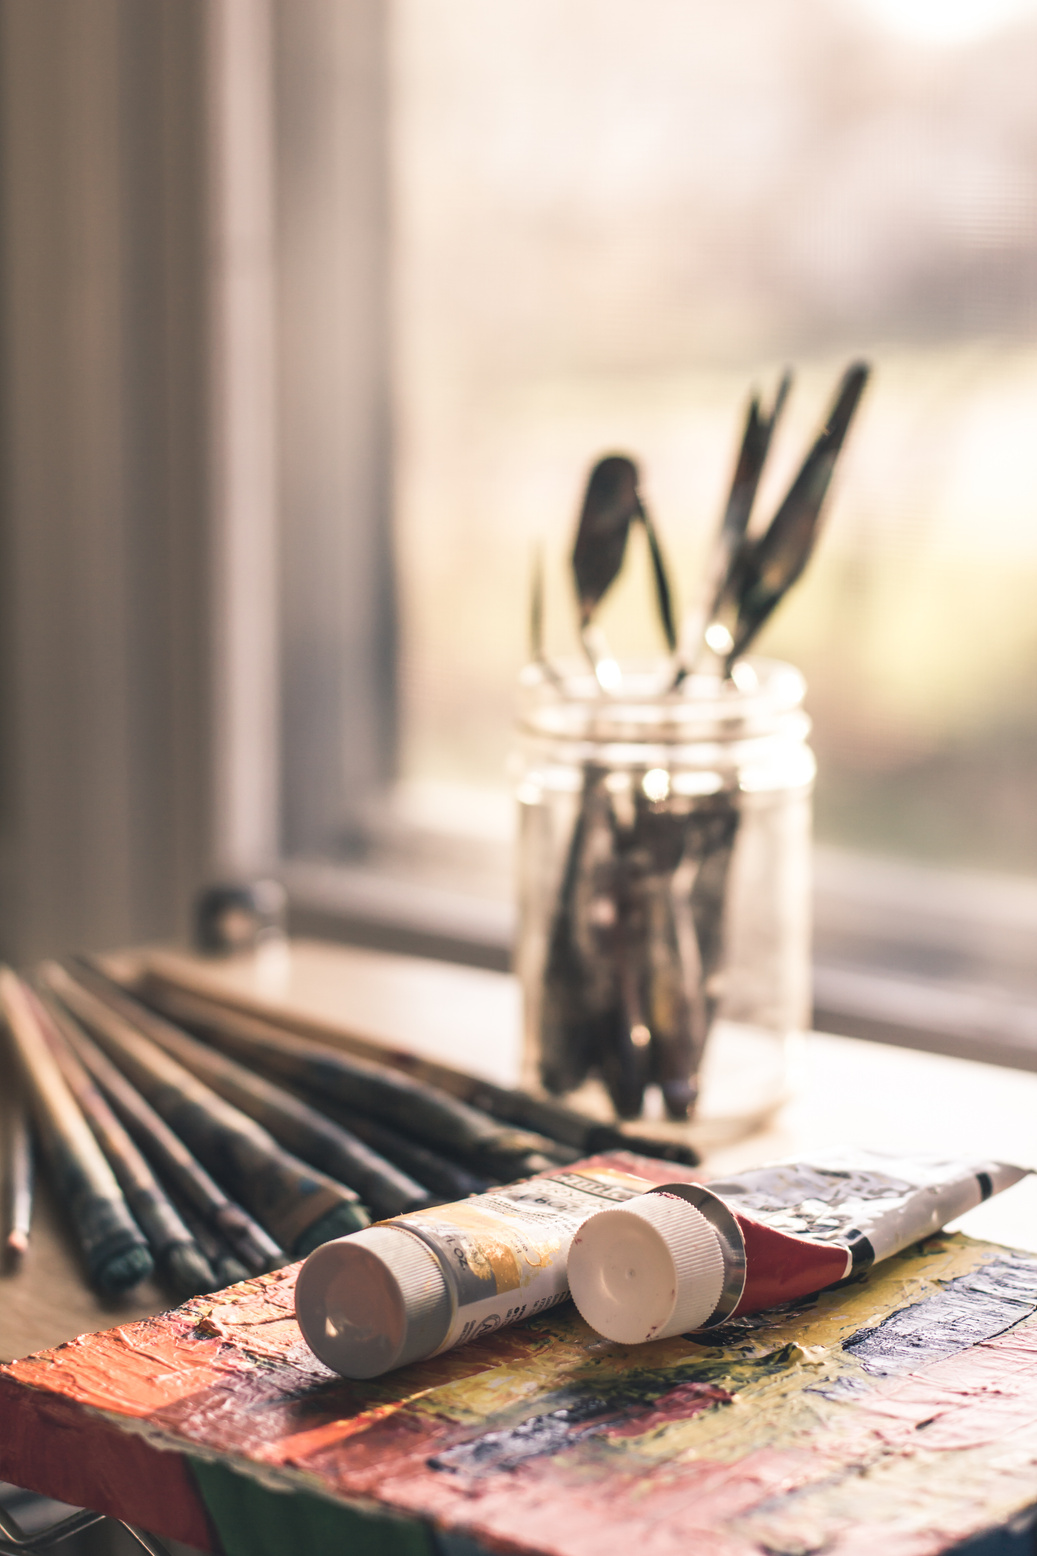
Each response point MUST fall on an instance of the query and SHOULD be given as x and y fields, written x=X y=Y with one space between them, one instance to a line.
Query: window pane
x=612 y=219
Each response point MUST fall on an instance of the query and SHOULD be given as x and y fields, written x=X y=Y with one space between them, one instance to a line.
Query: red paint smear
x=568 y=1504
x=138 y=1368
x=49 y=1445
x=781 y=1267
x=130 y=1370
x=372 y=1442
x=564 y=1504
x=252 y=1412
x=297 y=1448
x=395 y=1448
x=670 y=1510
x=678 y=1404
x=983 y=1395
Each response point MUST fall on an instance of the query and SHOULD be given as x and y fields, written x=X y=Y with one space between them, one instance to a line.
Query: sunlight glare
x=946 y=21
x=610 y=676
x=718 y=638
x=656 y=783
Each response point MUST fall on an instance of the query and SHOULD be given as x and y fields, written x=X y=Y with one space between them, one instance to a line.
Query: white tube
x=427 y=1281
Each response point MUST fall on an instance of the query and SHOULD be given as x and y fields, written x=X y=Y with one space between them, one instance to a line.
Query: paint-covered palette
x=894 y=1414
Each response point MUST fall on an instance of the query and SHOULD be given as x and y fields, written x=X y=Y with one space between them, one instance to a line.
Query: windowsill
x=391 y=910
x=904 y=954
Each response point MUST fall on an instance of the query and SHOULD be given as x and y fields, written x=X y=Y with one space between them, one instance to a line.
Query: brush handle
x=116 y=1252
x=20 y=1175
x=296 y=1125
x=572 y=1133
x=444 y=1123
x=156 y=1215
x=250 y=1242
x=286 y=1195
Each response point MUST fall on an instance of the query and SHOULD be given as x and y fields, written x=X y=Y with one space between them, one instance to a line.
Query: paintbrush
x=178 y=1258
x=116 y=1252
x=712 y=830
x=610 y=505
x=659 y=969
x=433 y=1117
x=249 y=1241
x=406 y=1170
x=636 y=939
x=300 y=1206
x=579 y=992
x=587 y=1136
x=443 y=1179
x=228 y=1268
x=765 y=569
x=299 y=1127
x=660 y=960
x=592 y=1010
x=20 y=1176
x=756 y=441
x=165 y=978
x=537 y=652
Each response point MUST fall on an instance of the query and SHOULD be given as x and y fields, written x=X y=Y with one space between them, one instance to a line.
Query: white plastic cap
x=372 y=1301
x=651 y=1269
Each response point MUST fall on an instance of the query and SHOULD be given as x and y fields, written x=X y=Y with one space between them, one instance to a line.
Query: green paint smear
x=252 y=1520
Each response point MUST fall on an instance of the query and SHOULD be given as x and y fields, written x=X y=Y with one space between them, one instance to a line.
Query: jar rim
x=567 y=702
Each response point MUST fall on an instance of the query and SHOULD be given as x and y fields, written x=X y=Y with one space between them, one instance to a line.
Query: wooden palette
x=897 y=1414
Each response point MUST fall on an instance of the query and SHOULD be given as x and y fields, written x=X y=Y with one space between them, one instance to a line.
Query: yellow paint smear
x=778 y=1408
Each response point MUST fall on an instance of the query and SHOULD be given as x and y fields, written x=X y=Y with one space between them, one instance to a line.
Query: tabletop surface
x=896 y=1413
x=844 y=1092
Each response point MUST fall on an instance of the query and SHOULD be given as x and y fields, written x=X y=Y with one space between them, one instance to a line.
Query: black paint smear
x=551 y=1431
x=567 y=1416
x=537 y=1435
x=969 y=1309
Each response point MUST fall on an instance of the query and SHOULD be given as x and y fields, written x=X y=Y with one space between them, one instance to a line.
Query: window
x=609 y=222
x=461 y=247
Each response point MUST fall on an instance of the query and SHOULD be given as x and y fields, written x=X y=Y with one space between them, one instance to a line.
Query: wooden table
x=846 y=1092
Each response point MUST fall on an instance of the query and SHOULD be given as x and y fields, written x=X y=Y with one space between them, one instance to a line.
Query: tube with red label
x=690 y=1256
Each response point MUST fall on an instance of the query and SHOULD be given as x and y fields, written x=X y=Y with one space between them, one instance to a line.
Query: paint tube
x=435 y=1278
x=686 y=1257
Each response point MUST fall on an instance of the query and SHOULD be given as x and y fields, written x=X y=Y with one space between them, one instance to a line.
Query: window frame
x=199 y=584
x=903 y=954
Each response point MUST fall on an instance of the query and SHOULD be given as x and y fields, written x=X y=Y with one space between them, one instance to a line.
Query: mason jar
x=664 y=892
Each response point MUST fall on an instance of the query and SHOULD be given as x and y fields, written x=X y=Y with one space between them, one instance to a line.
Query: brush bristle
x=230 y=1271
x=186 y=1269
x=125 y=1270
x=336 y=1223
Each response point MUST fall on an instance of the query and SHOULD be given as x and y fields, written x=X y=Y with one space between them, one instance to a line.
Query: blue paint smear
x=970 y=1308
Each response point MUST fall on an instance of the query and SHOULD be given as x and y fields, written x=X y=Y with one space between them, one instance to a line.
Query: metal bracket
x=13 y=1538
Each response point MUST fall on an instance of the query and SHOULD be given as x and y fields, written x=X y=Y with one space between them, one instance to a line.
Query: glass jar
x=664 y=892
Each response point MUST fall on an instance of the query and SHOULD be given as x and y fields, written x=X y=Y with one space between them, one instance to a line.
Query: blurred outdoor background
x=609 y=222
x=315 y=315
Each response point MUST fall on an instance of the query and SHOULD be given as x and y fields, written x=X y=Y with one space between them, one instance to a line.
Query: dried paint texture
x=837 y=1426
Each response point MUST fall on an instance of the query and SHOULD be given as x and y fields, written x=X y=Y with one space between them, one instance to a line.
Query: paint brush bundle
x=114 y=1248
x=204 y=1143
x=178 y=1258
x=183 y=992
x=297 y=1204
x=623 y=954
